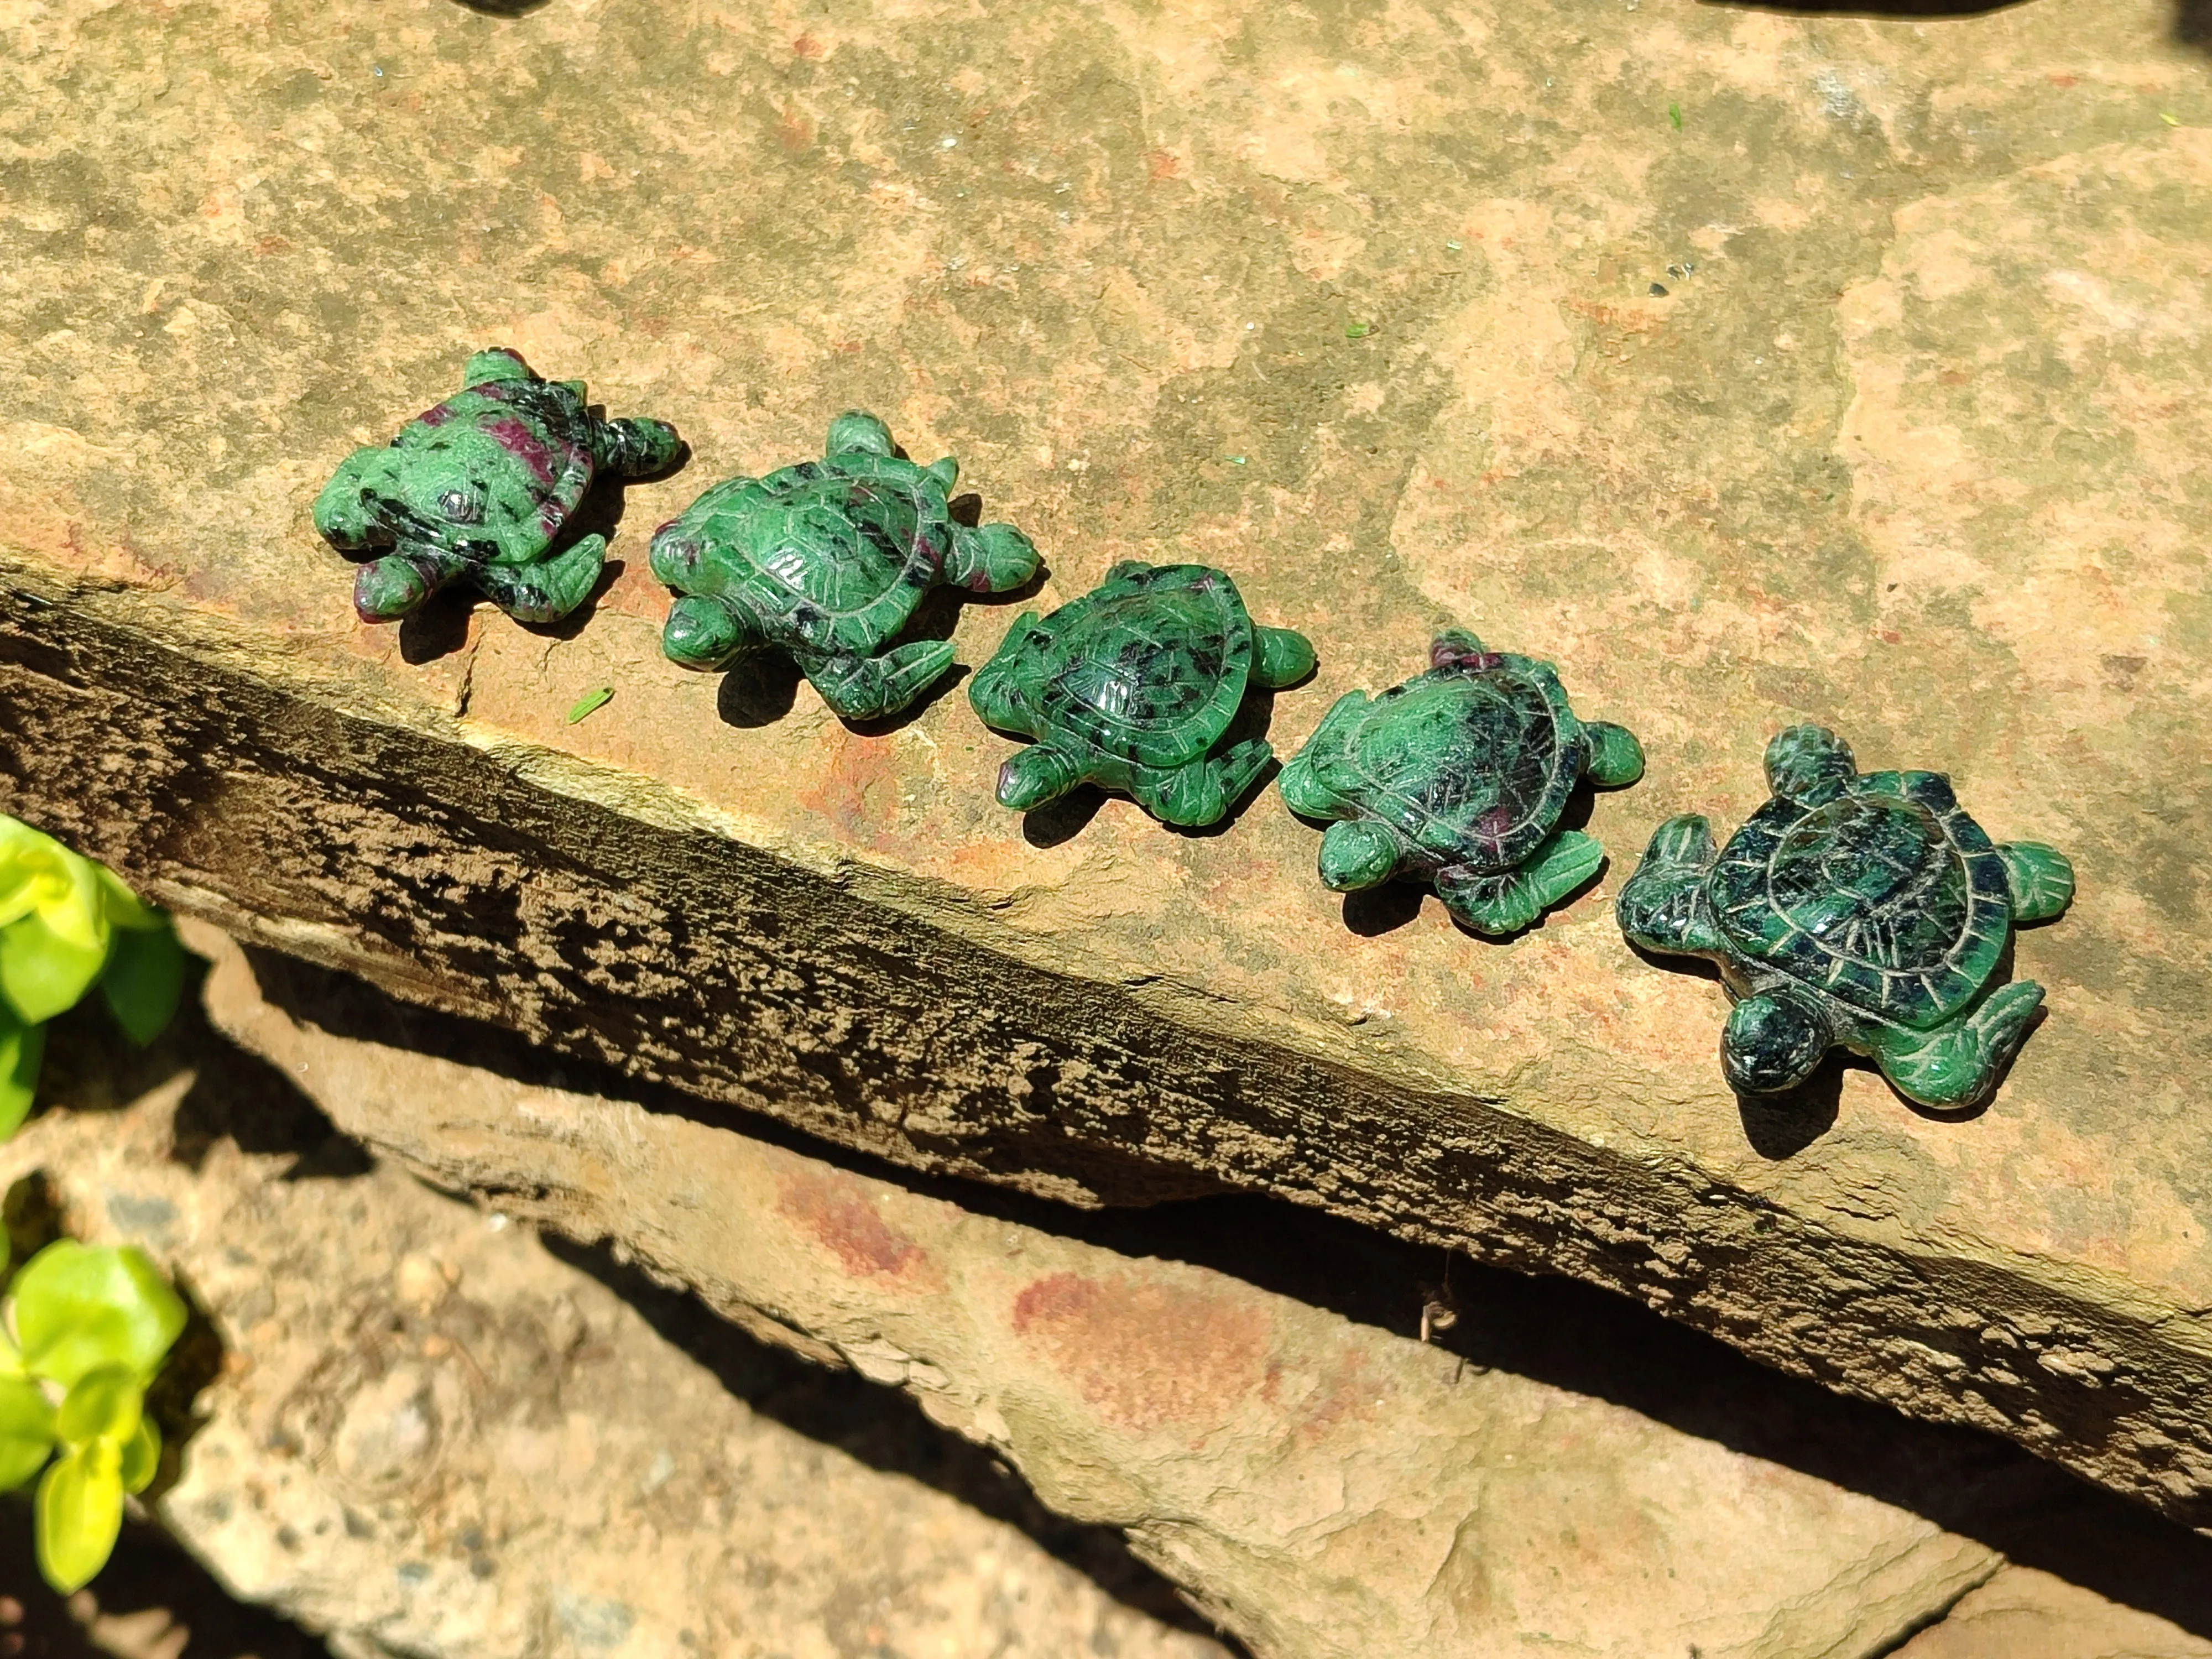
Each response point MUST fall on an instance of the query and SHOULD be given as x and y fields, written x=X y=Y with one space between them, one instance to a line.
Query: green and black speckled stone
x=1459 y=777
x=1134 y=687
x=827 y=561
x=479 y=489
x=1866 y=910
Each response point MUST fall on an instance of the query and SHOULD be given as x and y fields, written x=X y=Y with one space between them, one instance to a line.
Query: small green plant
x=67 y=924
x=82 y=1332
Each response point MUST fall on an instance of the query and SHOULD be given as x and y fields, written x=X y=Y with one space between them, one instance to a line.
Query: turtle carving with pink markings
x=1459 y=777
x=480 y=490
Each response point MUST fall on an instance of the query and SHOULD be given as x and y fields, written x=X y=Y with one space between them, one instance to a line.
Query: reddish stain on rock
x=631 y=591
x=836 y=1210
x=1148 y=1352
x=858 y=788
x=1345 y=1395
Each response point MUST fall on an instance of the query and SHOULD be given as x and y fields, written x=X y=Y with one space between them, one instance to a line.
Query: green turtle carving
x=1133 y=686
x=1865 y=910
x=1459 y=776
x=826 y=561
x=478 y=490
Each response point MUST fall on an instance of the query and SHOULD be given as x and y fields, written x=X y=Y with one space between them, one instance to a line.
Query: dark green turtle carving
x=478 y=490
x=1133 y=686
x=826 y=561
x=1459 y=776
x=1864 y=910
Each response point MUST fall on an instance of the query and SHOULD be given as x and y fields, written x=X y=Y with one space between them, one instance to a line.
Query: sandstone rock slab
x=430 y=1438
x=1366 y=306
x=1323 y=1486
x=2021 y=1614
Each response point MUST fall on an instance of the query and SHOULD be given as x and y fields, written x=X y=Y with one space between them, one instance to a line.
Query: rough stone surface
x=2023 y=1614
x=1323 y=1488
x=430 y=1438
x=1359 y=304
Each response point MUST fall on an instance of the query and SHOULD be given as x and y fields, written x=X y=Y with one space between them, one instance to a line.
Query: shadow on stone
x=1569 y=1334
x=152 y=1598
x=885 y=1429
x=758 y=690
x=235 y=1095
x=2192 y=23
x=437 y=627
x=231 y=1095
x=1374 y=911
x=1592 y=1341
x=1782 y=1126
x=1060 y=821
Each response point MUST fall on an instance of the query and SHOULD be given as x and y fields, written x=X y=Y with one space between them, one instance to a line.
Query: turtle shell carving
x=1865 y=910
x=479 y=489
x=1884 y=894
x=827 y=561
x=1459 y=777
x=1134 y=686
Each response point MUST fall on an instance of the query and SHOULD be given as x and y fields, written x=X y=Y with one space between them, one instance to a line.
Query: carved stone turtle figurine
x=478 y=489
x=1459 y=777
x=826 y=561
x=1132 y=686
x=1860 y=909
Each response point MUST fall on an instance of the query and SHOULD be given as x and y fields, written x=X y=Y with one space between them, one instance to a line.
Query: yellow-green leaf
x=144 y=981
x=103 y=1405
x=141 y=1458
x=125 y=908
x=590 y=701
x=69 y=895
x=26 y=861
x=26 y=1432
x=22 y=1049
x=43 y=972
x=80 y=1512
x=80 y=1307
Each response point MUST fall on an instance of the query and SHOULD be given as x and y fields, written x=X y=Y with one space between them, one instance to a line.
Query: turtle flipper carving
x=1663 y=907
x=1862 y=910
x=1616 y=758
x=547 y=592
x=2042 y=879
x=869 y=688
x=1282 y=657
x=1507 y=900
x=1961 y=1061
x=992 y=558
x=1202 y=792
